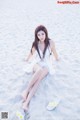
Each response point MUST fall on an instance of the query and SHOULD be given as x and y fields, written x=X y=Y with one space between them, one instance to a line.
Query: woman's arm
x=30 y=54
x=53 y=49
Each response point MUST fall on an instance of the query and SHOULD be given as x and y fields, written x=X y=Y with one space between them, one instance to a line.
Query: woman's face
x=41 y=35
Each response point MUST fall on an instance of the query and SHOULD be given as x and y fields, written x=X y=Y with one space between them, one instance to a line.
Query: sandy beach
x=18 y=20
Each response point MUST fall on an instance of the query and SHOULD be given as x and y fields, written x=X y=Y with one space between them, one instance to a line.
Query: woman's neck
x=41 y=46
x=42 y=43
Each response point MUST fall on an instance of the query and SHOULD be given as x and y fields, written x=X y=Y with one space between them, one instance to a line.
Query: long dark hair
x=36 y=40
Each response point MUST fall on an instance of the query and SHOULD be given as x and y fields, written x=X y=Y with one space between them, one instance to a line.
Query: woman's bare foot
x=25 y=107
x=24 y=95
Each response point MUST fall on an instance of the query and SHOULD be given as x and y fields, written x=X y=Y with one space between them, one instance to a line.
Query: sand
x=18 y=20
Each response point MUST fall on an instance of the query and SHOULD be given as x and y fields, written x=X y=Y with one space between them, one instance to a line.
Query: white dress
x=47 y=61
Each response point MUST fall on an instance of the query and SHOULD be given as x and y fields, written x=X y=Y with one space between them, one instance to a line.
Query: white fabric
x=48 y=61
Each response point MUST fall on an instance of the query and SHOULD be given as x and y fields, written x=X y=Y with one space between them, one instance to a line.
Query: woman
x=42 y=48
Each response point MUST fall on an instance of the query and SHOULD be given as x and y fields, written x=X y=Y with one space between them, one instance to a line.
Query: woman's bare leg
x=35 y=77
x=34 y=88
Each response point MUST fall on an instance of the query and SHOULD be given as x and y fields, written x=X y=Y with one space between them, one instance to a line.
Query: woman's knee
x=36 y=68
x=44 y=71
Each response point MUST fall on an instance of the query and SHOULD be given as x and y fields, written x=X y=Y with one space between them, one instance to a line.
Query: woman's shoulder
x=51 y=42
